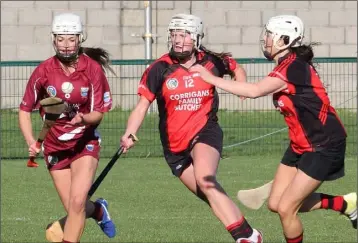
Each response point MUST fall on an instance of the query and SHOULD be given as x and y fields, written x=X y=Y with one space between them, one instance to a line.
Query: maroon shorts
x=63 y=159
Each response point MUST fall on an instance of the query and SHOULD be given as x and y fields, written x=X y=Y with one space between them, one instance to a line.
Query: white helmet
x=286 y=25
x=67 y=24
x=187 y=22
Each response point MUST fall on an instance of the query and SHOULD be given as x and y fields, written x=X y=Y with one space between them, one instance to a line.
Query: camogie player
x=318 y=139
x=71 y=148
x=191 y=137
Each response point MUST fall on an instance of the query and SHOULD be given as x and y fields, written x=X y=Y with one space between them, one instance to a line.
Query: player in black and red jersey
x=190 y=134
x=318 y=138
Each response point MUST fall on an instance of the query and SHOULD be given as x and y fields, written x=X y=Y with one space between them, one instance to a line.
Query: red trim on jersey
x=142 y=88
x=334 y=112
x=209 y=65
x=300 y=142
x=277 y=71
x=320 y=91
x=323 y=113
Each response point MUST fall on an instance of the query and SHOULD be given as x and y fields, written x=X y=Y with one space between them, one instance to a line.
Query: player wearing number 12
x=190 y=134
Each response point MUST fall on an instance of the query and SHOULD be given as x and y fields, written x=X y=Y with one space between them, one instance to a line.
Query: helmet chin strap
x=269 y=55
x=67 y=59
x=181 y=56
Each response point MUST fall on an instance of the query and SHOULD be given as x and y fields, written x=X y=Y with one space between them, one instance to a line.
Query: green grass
x=148 y=204
x=238 y=126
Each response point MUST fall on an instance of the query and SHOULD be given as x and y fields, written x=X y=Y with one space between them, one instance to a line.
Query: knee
x=206 y=183
x=272 y=205
x=77 y=204
x=285 y=210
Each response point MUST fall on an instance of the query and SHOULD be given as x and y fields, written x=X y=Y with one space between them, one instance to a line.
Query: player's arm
x=25 y=125
x=266 y=86
x=252 y=90
x=137 y=116
x=149 y=85
x=92 y=118
x=240 y=73
x=28 y=103
x=101 y=100
x=236 y=69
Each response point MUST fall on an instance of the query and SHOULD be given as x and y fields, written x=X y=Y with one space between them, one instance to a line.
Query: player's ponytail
x=221 y=55
x=99 y=55
x=305 y=52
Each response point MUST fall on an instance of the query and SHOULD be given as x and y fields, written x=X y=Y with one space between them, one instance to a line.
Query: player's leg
x=99 y=208
x=62 y=183
x=61 y=177
x=82 y=173
x=285 y=172
x=205 y=162
x=313 y=168
x=283 y=177
x=299 y=189
x=329 y=165
x=182 y=167
x=187 y=177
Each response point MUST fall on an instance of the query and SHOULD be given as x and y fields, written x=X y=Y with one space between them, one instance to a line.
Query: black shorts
x=327 y=164
x=211 y=134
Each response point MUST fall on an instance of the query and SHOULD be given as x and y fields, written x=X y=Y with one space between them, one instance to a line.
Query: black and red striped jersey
x=185 y=101
x=312 y=121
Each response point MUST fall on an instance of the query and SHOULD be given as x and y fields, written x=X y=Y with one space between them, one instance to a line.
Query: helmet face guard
x=66 y=52
x=187 y=49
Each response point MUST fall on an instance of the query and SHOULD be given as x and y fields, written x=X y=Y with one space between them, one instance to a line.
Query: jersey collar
x=290 y=55
x=82 y=63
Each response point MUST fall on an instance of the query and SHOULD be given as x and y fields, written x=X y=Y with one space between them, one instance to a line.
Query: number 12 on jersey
x=189 y=82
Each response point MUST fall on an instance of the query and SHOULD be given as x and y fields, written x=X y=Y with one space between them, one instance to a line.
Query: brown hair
x=222 y=56
x=100 y=55
x=305 y=52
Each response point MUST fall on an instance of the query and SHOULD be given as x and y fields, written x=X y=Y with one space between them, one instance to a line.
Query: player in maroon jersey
x=318 y=138
x=71 y=147
x=191 y=137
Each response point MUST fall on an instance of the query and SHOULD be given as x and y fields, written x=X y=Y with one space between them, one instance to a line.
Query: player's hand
x=126 y=142
x=78 y=119
x=203 y=72
x=34 y=150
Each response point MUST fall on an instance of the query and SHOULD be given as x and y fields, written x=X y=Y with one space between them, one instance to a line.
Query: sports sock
x=298 y=239
x=98 y=212
x=240 y=229
x=335 y=203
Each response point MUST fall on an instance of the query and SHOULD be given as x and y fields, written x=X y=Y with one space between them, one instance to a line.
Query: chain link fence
x=251 y=127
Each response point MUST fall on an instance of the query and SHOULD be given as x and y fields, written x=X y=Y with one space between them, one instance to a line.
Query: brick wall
x=229 y=25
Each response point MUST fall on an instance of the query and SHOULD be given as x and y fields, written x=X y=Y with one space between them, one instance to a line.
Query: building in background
x=232 y=26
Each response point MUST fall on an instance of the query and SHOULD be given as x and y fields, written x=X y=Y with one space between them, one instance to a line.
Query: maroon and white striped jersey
x=85 y=90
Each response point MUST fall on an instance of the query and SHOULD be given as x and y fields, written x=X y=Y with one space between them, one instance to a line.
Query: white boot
x=256 y=237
